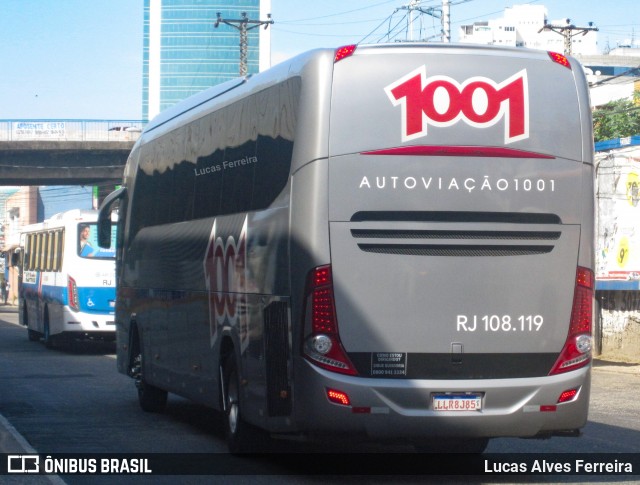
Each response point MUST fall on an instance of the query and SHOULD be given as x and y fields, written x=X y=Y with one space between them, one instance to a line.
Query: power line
x=612 y=78
x=376 y=28
x=441 y=12
x=489 y=13
x=391 y=29
x=339 y=13
x=313 y=34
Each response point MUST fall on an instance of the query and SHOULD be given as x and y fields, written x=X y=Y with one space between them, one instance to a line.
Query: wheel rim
x=136 y=371
x=232 y=404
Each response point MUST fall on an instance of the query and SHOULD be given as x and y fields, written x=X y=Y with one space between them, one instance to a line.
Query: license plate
x=457 y=402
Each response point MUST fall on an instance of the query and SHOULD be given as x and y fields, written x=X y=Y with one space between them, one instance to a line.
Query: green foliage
x=617 y=119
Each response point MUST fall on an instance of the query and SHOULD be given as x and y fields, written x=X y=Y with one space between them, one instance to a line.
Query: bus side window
x=43 y=250
x=36 y=254
x=28 y=251
x=25 y=253
x=32 y=252
x=47 y=252
x=55 y=256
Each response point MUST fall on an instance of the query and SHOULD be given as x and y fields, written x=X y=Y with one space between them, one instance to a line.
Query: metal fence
x=71 y=130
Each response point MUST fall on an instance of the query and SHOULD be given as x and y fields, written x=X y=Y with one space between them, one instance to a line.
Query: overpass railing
x=71 y=130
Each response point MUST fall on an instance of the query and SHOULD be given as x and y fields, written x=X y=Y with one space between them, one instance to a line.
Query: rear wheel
x=241 y=436
x=33 y=335
x=48 y=339
x=152 y=399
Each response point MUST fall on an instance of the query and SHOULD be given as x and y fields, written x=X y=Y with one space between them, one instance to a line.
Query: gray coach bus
x=387 y=241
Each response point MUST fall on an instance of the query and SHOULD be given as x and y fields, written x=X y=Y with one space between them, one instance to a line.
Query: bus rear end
x=458 y=299
x=88 y=311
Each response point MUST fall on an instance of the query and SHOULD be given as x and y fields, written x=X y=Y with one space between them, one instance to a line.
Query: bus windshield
x=88 y=242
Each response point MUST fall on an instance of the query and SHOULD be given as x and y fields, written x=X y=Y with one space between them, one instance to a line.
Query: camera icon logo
x=23 y=464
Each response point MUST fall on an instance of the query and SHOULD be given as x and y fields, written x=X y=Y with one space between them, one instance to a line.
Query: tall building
x=520 y=27
x=184 y=53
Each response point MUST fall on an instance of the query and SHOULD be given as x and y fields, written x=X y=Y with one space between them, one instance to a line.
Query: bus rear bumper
x=87 y=325
x=403 y=408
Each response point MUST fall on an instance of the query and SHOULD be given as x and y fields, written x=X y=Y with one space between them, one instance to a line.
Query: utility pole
x=411 y=6
x=443 y=13
x=446 y=21
x=569 y=31
x=414 y=6
x=243 y=25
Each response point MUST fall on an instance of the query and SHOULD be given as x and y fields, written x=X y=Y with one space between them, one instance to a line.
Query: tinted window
x=236 y=159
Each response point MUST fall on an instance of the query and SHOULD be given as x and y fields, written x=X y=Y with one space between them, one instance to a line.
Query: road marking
x=26 y=447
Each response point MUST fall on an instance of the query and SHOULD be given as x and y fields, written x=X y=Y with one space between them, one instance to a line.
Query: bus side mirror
x=104 y=217
x=15 y=259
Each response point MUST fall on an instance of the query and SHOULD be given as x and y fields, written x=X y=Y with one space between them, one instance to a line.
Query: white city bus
x=386 y=242
x=67 y=289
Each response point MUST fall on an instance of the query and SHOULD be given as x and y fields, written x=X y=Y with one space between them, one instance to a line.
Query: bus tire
x=152 y=399
x=48 y=339
x=24 y=314
x=33 y=335
x=241 y=436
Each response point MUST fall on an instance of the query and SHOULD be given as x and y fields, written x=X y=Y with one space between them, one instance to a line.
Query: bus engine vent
x=454 y=242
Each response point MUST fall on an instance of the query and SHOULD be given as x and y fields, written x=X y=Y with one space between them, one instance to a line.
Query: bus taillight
x=323 y=346
x=344 y=52
x=559 y=59
x=338 y=397
x=577 y=349
x=72 y=294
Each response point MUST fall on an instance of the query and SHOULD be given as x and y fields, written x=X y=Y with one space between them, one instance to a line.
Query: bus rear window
x=88 y=242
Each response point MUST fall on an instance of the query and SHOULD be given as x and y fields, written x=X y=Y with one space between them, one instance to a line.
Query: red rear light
x=568 y=395
x=338 y=397
x=323 y=346
x=322 y=311
x=322 y=317
x=560 y=59
x=582 y=314
x=344 y=52
x=72 y=294
x=577 y=349
x=584 y=278
x=322 y=276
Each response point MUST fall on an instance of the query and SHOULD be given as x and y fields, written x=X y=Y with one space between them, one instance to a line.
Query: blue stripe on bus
x=91 y=299
x=96 y=299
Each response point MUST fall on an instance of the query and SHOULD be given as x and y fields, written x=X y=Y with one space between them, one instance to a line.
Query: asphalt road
x=74 y=401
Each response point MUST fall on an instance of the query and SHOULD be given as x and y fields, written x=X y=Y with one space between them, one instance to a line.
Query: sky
x=82 y=59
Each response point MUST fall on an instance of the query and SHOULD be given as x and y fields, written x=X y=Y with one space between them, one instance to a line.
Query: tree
x=617 y=119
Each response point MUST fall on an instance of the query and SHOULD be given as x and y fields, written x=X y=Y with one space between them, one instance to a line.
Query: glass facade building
x=184 y=53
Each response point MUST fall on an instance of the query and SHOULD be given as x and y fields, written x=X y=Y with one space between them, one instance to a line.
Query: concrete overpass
x=65 y=152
